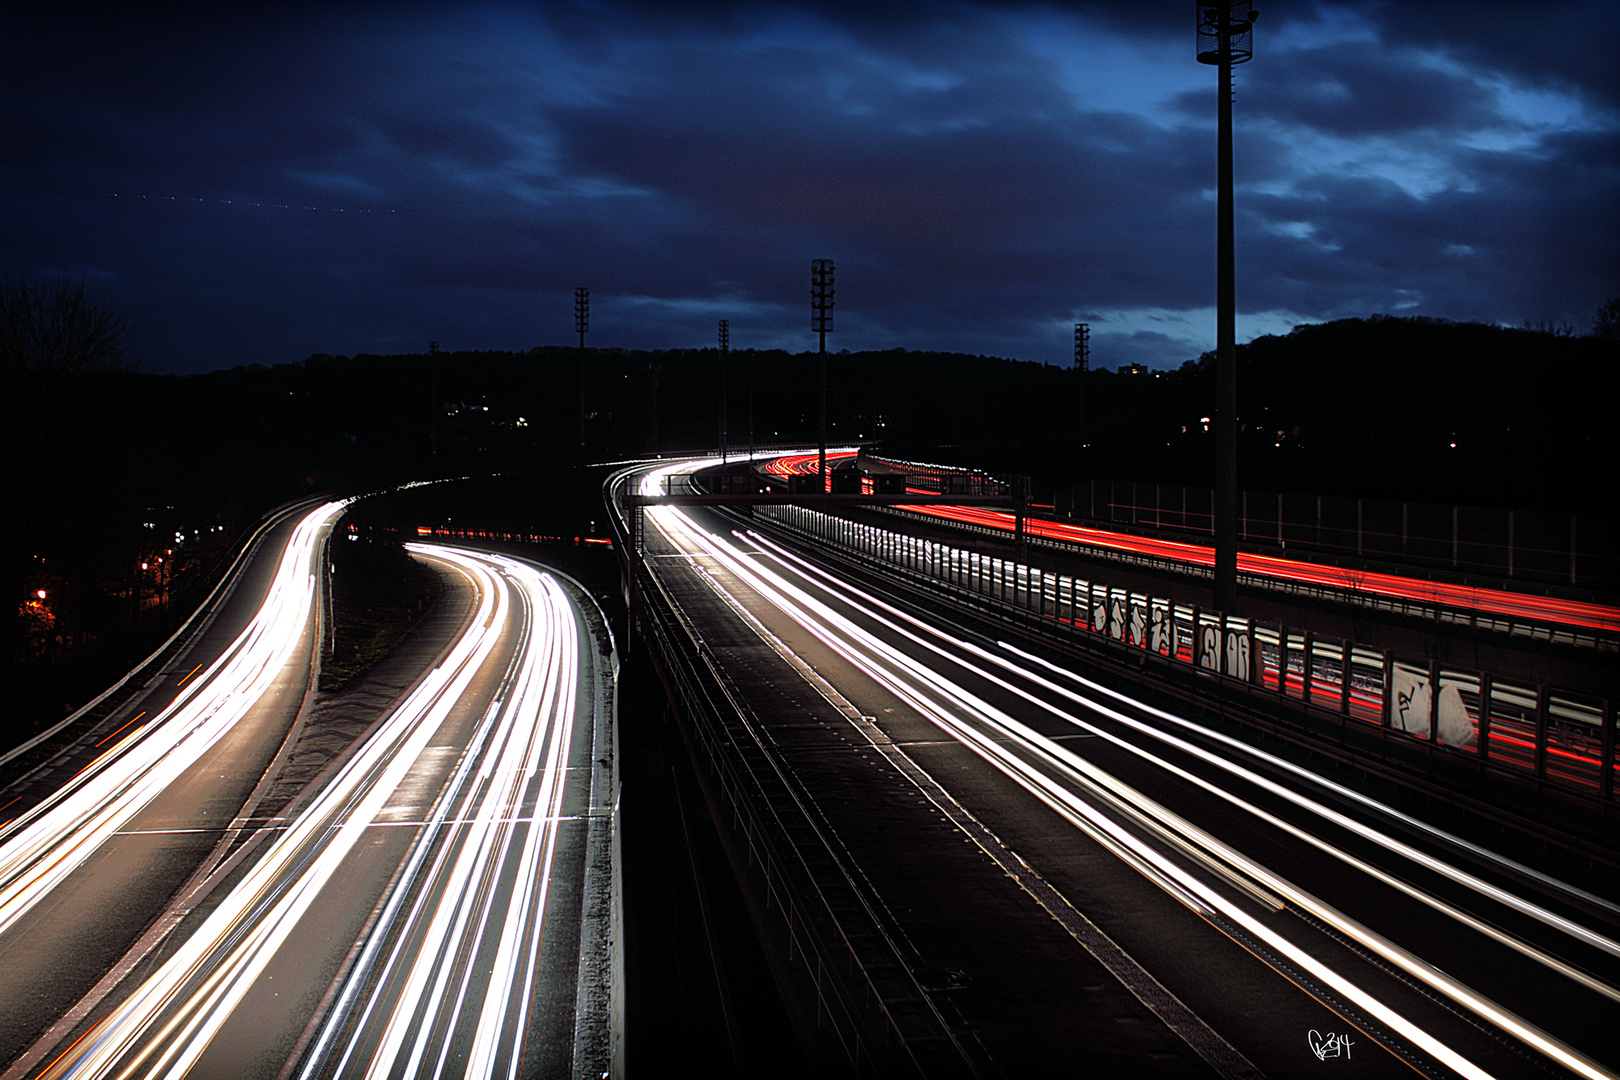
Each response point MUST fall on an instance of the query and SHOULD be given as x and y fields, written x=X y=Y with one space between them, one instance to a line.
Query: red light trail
x=1467 y=597
x=802 y=464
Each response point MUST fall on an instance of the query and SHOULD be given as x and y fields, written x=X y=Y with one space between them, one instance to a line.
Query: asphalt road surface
x=101 y=837
x=1079 y=879
x=439 y=899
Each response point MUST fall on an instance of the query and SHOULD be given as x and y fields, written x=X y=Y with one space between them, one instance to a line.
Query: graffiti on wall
x=1413 y=700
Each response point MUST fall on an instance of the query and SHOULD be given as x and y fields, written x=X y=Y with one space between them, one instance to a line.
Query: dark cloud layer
x=257 y=185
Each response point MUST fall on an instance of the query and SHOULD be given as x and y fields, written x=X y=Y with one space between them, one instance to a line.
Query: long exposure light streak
x=907 y=678
x=487 y=844
x=1053 y=751
x=1382 y=839
x=45 y=845
x=1466 y=597
x=521 y=767
x=786 y=465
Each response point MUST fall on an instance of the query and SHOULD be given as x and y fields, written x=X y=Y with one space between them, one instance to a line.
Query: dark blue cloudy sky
x=256 y=185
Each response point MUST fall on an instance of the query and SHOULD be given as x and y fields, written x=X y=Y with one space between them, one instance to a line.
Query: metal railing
x=1550 y=735
x=1557 y=550
x=1427 y=610
x=881 y=1019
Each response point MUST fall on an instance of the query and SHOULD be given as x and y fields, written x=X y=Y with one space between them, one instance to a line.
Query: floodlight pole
x=725 y=348
x=1082 y=364
x=582 y=323
x=821 y=321
x=1225 y=37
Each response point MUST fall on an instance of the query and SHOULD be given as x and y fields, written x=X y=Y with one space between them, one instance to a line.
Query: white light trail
x=499 y=810
x=906 y=677
x=1575 y=930
x=45 y=845
x=1052 y=751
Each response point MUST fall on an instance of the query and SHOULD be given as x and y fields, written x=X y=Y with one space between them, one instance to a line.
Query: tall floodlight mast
x=725 y=348
x=1082 y=364
x=582 y=323
x=821 y=321
x=1225 y=37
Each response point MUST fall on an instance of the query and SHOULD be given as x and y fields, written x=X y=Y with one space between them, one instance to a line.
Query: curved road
x=1265 y=919
x=442 y=897
x=109 y=830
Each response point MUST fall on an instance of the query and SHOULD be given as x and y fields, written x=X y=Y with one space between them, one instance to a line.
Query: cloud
x=981 y=173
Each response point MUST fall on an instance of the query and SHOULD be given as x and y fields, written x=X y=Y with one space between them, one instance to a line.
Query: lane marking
x=114 y=735
x=1187 y=1025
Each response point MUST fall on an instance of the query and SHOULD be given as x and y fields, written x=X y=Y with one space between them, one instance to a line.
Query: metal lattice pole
x=821 y=321
x=1082 y=365
x=725 y=348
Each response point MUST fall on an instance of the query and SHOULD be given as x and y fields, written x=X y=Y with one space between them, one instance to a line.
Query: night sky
x=256 y=186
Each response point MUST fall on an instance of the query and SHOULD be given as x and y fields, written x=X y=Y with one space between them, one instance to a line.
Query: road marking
x=1221 y=1055
x=137 y=716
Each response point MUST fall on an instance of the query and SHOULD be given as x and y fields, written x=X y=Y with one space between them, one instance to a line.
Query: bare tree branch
x=51 y=326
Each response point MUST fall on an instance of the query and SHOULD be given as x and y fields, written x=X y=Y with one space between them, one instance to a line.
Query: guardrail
x=31 y=753
x=1553 y=549
x=1425 y=609
x=829 y=930
x=1546 y=734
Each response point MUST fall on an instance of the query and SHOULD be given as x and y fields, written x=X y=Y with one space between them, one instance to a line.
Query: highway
x=440 y=899
x=1544 y=609
x=108 y=830
x=1102 y=879
x=1488 y=602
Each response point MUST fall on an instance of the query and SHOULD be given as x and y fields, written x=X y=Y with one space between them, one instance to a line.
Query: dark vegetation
x=112 y=468
x=379 y=594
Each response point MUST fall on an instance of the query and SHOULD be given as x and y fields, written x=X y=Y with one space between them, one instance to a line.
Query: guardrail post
x=1198 y=638
x=1309 y=650
x=1282 y=659
x=1223 y=645
x=1607 y=784
x=1434 y=702
x=1346 y=666
x=1020 y=508
x=1484 y=737
x=1389 y=681
x=1541 y=731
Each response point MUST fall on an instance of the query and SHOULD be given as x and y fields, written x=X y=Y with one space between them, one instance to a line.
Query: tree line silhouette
x=110 y=463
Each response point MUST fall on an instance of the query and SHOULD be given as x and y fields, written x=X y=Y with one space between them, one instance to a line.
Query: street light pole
x=821 y=321
x=1225 y=37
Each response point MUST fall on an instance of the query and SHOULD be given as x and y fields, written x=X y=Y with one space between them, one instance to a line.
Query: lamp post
x=821 y=321
x=582 y=323
x=725 y=347
x=1225 y=37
